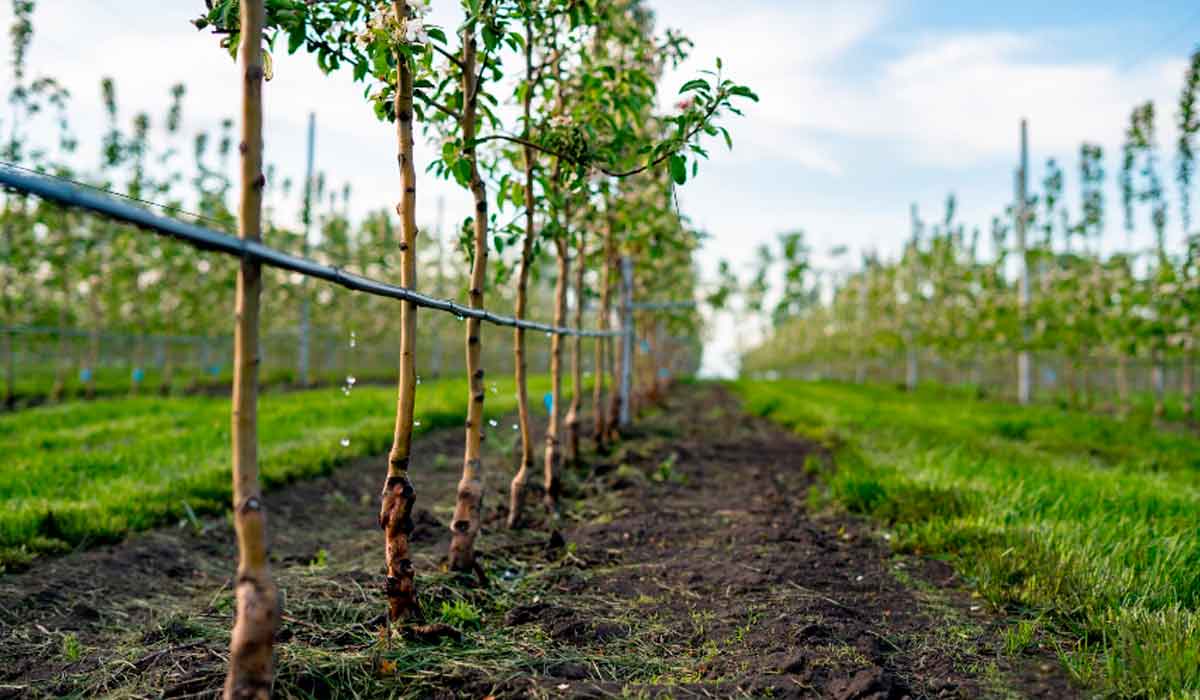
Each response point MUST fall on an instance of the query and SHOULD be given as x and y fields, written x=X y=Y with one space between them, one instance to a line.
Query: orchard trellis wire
x=69 y=195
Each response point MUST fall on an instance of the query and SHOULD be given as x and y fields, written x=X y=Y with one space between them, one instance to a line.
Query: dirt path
x=692 y=567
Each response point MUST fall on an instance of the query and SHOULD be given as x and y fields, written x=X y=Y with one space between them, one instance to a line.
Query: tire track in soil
x=693 y=538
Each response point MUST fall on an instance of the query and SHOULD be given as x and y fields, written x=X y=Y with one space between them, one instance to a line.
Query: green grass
x=1086 y=522
x=35 y=384
x=88 y=472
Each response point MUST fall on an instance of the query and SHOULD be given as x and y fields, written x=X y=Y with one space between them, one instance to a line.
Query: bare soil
x=687 y=563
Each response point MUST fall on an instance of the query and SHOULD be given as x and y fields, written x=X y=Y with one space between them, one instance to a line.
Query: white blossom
x=414 y=31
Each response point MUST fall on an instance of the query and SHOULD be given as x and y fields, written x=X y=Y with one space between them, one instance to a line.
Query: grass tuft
x=87 y=473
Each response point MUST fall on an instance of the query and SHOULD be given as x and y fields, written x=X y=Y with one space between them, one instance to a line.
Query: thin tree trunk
x=603 y=347
x=616 y=356
x=250 y=659
x=520 y=362
x=573 y=418
x=10 y=368
x=552 y=484
x=469 y=503
x=599 y=432
x=398 y=497
x=434 y=328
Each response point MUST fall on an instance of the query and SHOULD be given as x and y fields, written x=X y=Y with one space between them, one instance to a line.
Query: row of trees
x=66 y=270
x=944 y=298
x=546 y=111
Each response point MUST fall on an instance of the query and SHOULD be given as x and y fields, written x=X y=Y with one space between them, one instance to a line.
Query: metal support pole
x=1024 y=363
x=627 y=332
x=307 y=215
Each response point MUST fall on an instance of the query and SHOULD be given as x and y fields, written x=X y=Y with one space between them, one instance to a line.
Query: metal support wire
x=49 y=189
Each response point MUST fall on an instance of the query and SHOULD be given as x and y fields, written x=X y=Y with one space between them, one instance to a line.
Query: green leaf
x=462 y=171
x=694 y=84
x=743 y=91
x=295 y=39
x=678 y=166
x=728 y=140
x=489 y=38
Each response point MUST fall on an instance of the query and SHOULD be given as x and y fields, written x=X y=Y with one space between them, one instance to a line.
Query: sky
x=867 y=106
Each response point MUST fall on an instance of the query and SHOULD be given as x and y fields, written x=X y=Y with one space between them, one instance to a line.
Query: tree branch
x=606 y=169
x=430 y=102
x=449 y=56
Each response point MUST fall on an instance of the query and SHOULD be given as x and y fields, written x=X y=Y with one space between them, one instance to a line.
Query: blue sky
x=867 y=105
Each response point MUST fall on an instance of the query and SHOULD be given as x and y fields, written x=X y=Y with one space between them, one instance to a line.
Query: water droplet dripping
x=492 y=423
x=417 y=423
x=418 y=379
x=345 y=442
x=514 y=426
x=353 y=339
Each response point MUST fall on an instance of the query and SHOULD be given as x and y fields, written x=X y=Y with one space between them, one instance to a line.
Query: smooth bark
x=552 y=484
x=398 y=497
x=469 y=501
x=573 y=417
x=251 y=665
x=520 y=361
x=603 y=346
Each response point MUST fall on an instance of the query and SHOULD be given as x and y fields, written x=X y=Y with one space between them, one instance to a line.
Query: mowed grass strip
x=90 y=472
x=1080 y=522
